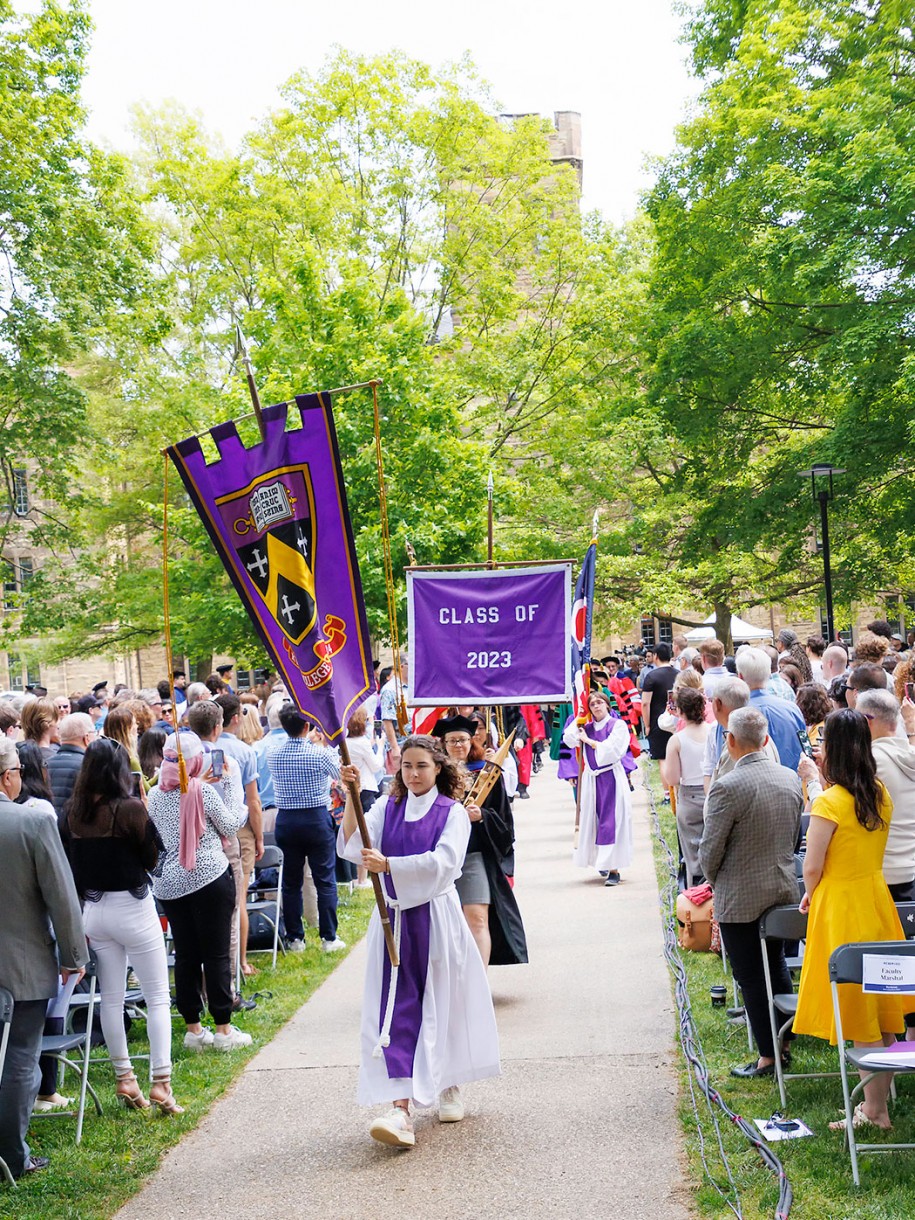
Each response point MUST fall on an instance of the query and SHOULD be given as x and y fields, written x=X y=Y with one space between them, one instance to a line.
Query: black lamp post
x=824 y=494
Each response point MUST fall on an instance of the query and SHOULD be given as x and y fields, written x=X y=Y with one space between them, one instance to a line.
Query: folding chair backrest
x=6 y=1017
x=272 y=858
x=846 y=964
x=58 y=1004
x=906 y=912
x=783 y=923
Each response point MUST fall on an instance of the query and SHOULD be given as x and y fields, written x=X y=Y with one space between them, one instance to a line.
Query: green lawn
x=123 y=1147
x=818 y=1168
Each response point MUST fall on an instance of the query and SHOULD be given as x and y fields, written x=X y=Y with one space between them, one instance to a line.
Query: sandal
x=161 y=1095
x=859 y=1119
x=47 y=1105
x=130 y=1093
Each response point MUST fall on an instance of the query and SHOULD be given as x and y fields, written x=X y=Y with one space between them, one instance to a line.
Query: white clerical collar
x=417 y=806
x=600 y=722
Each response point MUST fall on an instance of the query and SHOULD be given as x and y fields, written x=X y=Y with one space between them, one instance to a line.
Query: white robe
x=609 y=754
x=458 y=1041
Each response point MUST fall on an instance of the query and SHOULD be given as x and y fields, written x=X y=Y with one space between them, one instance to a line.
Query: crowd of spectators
x=90 y=791
x=808 y=763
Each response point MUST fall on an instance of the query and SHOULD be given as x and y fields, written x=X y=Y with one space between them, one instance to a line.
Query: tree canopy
x=779 y=329
x=72 y=243
x=382 y=223
x=754 y=319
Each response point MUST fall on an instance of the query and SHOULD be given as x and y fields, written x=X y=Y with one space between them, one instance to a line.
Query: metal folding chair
x=782 y=923
x=846 y=965
x=59 y=1046
x=271 y=909
x=7 y=1005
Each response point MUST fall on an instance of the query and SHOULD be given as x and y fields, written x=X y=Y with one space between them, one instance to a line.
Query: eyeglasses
x=457 y=741
x=12 y=769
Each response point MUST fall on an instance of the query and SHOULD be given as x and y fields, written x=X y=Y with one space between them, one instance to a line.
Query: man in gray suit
x=36 y=887
x=752 y=819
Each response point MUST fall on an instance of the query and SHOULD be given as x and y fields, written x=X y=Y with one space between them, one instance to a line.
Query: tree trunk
x=723 y=626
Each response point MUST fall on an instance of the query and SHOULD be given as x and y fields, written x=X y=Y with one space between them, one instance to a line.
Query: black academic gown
x=497 y=845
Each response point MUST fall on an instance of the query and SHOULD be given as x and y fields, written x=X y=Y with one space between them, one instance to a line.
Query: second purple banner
x=489 y=636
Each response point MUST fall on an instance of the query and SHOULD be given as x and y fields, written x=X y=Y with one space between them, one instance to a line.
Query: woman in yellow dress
x=847 y=899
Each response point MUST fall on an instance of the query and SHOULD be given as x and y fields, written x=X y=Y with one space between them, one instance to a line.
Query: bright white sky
x=618 y=62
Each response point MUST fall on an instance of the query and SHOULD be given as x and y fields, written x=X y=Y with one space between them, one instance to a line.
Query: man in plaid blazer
x=752 y=820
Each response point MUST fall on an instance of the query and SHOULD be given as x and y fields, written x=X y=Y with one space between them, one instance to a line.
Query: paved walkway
x=581 y=1124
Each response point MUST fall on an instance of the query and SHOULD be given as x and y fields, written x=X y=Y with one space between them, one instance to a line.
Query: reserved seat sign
x=490 y=636
x=882 y=974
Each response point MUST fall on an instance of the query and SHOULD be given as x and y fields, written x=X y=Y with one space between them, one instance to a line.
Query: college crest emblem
x=272 y=525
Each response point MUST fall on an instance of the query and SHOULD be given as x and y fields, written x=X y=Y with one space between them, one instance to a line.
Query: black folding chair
x=906 y=913
x=782 y=923
x=270 y=909
x=846 y=965
x=60 y=1046
x=7 y=1005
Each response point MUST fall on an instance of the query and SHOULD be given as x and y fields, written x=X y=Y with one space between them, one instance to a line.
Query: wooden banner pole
x=380 y=900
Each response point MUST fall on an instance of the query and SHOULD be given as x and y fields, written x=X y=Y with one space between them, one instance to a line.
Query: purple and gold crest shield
x=277 y=515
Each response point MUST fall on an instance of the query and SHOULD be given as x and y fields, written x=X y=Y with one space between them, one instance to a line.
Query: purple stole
x=403 y=838
x=604 y=787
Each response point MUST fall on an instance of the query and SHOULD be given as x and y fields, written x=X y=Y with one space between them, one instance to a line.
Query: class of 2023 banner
x=489 y=636
x=278 y=518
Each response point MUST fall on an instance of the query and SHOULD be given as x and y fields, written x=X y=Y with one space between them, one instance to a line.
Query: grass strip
x=120 y=1150
x=818 y=1168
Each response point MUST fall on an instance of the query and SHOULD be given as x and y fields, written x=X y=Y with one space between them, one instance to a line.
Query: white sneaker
x=450 y=1106
x=232 y=1041
x=395 y=1128
x=333 y=946
x=295 y=946
x=198 y=1042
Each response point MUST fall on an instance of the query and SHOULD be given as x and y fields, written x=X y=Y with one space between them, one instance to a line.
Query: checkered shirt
x=302 y=773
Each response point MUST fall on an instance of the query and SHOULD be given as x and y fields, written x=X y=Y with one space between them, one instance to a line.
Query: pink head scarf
x=193 y=818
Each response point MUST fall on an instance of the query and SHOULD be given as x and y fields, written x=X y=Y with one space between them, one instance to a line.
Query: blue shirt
x=302 y=773
x=262 y=750
x=784 y=720
x=243 y=755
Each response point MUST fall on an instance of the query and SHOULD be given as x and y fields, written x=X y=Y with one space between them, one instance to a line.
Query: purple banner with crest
x=277 y=515
x=489 y=636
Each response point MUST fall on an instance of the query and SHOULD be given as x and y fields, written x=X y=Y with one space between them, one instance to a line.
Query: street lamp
x=823 y=470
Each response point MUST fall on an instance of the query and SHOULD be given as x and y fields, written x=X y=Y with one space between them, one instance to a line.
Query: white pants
x=123 y=929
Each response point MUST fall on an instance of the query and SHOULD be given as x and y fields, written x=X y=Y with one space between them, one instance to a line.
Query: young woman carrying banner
x=428 y=1026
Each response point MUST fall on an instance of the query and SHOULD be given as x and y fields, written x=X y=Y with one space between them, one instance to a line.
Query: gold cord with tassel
x=182 y=765
x=403 y=718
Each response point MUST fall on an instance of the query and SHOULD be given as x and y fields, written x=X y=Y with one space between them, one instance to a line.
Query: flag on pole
x=580 y=634
x=277 y=516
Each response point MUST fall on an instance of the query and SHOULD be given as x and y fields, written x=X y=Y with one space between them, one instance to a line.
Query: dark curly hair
x=813 y=703
x=849 y=762
x=449 y=781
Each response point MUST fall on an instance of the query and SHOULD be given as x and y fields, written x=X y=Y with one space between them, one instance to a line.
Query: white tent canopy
x=741 y=632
